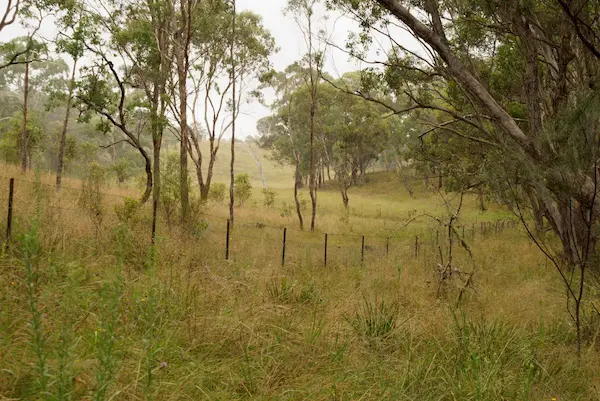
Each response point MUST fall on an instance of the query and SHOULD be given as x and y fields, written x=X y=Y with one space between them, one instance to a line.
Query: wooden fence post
x=11 y=190
x=362 y=250
x=416 y=247
x=283 y=247
x=387 y=246
x=227 y=242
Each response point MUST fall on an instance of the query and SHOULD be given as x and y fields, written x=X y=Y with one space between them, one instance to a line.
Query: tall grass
x=97 y=314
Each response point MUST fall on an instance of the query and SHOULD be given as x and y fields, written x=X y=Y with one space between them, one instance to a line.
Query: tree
x=532 y=155
x=243 y=188
x=305 y=9
x=233 y=113
x=280 y=133
x=214 y=72
x=73 y=46
x=183 y=38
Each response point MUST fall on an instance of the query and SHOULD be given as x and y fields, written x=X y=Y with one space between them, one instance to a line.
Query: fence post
x=283 y=247
x=473 y=230
x=437 y=237
x=416 y=247
x=362 y=250
x=387 y=246
x=227 y=242
x=11 y=190
x=325 y=254
x=463 y=228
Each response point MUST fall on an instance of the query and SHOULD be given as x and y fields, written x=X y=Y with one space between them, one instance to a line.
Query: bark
x=233 y=105
x=345 y=199
x=297 y=179
x=63 y=134
x=156 y=142
x=25 y=133
x=182 y=75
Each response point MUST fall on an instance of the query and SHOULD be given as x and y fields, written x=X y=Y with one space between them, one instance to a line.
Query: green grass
x=96 y=315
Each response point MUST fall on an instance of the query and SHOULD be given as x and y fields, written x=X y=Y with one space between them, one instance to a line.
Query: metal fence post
x=325 y=252
x=11 y=190
x=227 y=242
x=283 y=247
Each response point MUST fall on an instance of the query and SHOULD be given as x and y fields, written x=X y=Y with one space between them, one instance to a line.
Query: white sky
x=289 y=39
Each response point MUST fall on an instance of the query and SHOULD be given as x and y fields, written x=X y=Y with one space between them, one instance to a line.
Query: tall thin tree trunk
x=63 y=134
x=233 y=105
x=297 y=180
x=157 y=142
x=25 y=134
x=182 y=71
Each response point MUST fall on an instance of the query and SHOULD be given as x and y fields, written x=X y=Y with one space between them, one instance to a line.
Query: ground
x=89 y=311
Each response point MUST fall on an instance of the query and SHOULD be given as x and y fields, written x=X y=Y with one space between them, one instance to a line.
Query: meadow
x=90 y=310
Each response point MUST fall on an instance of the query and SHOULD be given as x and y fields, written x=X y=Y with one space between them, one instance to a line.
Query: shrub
x=217 y=192
x=269 y=195
x=121 y=169
x=242 y=188
x=126 y=212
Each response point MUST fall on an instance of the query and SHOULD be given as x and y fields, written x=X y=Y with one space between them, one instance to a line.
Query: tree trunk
x=63 y=134
x=233 y=105
x=157 y=142
x=25 y=134
x=440 y=180
x=345 y=199
x=182 y=75
x=328 y=173
x=297 y=179
x=363 y=171
x=481 y=199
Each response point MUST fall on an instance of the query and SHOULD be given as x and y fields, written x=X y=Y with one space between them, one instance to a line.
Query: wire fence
x=262 y=242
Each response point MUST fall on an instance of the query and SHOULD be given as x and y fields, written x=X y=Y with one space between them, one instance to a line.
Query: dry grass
x=190 y=325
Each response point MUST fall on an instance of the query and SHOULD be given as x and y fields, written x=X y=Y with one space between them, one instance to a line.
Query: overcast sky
x=290 y=41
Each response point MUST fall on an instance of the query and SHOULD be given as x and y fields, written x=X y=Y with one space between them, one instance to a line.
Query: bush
x=242 y=188
x=127 y=211
x=269 y=195
x=217 y=192
x=121 y=169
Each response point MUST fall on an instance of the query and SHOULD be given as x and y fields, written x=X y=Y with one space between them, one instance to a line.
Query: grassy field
x=88 y=311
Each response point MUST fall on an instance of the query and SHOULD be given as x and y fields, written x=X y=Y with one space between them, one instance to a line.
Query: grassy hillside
x=276 y=176
x=88 y=311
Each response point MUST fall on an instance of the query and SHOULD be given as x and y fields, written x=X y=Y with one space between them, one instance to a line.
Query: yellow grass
x=192 y=326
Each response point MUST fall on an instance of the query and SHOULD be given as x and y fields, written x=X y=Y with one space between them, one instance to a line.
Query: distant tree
x=243 y=188
x=211 y=77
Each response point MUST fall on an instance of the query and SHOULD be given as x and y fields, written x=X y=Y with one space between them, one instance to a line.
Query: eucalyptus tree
x=214 y=71
x=531 y=109
x=74 y=23
x=304 y=13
